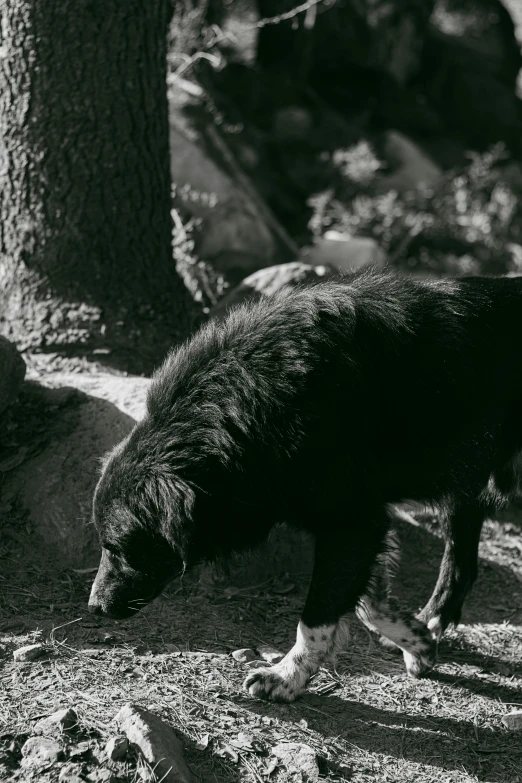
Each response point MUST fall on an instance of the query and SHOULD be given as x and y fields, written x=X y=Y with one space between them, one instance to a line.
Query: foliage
x=470 y=224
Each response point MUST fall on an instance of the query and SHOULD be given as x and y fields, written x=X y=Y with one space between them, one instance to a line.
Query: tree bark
x=85 y=225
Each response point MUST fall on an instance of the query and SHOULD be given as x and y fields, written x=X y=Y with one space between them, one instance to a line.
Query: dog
x=323 y=406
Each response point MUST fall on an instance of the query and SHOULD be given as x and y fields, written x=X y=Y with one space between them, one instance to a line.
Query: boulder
x=413 y=168
x=233 y=226
x=343 y=253
x=12 y=373
x=267 y=281
x=56 y=486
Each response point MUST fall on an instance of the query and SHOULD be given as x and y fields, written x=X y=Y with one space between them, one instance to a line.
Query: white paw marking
x=435 y=626
x=288 y=678
x=417 y=648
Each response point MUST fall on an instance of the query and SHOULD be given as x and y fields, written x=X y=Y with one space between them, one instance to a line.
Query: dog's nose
x=94 y=608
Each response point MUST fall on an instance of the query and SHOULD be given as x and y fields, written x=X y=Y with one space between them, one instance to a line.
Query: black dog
x=321 y=407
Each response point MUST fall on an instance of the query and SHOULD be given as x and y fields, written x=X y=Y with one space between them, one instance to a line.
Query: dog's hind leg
x=382 y=614
x=458 y=569
x=344 y=560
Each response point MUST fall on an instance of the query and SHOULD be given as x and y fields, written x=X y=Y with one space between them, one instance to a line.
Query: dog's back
x=405 y=385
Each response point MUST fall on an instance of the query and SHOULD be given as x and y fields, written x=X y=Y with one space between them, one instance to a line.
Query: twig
x=299 y=9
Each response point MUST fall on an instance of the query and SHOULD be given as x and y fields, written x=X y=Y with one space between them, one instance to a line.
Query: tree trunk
x=85 y=225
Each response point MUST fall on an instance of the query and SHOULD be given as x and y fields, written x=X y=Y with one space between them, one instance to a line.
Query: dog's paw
x=434 y=623
x=272 y=684
x=420 y=662
x=436 y=629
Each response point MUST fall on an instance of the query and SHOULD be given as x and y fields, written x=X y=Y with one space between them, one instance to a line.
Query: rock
x=231 y=221
x=267 y=281
x=227 y=237
x=244 y=655
x=62 y=720
x=29 y=653
x=116 y=748
x=70 y=773
x=157 y=741
x=269 y=654
x=414 y=167
x=101 y=776
x=513 y=720
x=40 y=751
x=12 y=373
x=344 y=253
x=80 y=750
x=56 y=486
x=297 y=757
x=292 y=123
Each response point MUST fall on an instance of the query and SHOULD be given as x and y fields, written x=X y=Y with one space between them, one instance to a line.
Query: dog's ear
x=175 y=501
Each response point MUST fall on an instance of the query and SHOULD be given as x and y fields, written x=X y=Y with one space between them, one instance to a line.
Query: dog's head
x=142 y=512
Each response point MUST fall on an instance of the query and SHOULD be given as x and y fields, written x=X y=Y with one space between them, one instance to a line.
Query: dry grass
x=365 y=719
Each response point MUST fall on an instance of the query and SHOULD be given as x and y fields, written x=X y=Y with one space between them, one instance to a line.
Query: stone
x=270 y=654
x=56 y=486
x=414 y=168
x=80 y=750
x=41 y=751
x=344 y=253
x=157 y=742
x=116 y=748
x=268 y=281
x=70 y=773
x=29 y=653
x=12 y=373
x=101 y=776
x=244 y=655
x=61 y=720
x=297 y=758
x=232 y=223
x=513 y=720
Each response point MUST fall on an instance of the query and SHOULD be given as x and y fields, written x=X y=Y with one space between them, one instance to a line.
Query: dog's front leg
x=342 y=571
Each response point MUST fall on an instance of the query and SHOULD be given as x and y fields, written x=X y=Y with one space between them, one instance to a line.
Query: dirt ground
x=363 y=717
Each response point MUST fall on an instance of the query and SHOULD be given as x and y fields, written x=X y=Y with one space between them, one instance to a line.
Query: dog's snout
x=95 y=608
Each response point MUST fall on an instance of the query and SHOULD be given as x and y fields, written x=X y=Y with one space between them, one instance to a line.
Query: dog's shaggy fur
x=322 y=406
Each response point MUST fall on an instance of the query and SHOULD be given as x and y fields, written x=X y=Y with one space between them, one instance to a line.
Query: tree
x=85 y=231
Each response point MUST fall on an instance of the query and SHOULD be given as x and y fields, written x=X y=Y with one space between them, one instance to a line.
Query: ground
x=362 y=716
x=365 y=719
